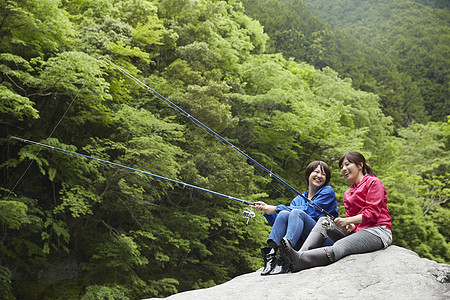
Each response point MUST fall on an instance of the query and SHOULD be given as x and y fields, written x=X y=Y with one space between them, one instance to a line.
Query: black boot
x=305 y=259
x=270 y=259
x=282 y=266
x=314 y=240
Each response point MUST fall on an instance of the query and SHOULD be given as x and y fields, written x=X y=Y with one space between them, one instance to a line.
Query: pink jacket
x=368 y=198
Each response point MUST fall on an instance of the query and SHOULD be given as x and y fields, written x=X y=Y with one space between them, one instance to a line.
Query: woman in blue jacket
x=295 y=222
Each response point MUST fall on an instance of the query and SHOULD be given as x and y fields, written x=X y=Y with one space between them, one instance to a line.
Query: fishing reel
x=248 y=214
x=327 y=223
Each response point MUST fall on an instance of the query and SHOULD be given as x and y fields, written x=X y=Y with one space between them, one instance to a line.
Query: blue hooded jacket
x=324 y=198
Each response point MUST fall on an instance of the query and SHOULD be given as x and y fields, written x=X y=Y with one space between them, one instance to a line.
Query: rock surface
x=393 y=273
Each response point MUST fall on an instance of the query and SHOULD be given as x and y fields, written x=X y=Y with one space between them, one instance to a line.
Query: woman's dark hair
x=323 y=166
x=356 y=158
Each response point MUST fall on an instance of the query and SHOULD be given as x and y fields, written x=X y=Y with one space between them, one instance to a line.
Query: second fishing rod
x=180 y=110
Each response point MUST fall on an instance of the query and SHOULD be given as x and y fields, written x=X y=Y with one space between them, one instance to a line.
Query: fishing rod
x=248 y=213
x=179 y=109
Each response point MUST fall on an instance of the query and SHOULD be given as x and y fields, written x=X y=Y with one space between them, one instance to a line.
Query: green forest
x=286 y=82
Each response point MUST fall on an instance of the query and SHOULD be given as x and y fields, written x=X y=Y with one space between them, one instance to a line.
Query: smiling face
x=317 y=177
x=351 y=171
x=317 y=174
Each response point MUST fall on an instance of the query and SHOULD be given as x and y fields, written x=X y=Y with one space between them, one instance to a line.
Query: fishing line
x=132 y=169
x=207 y=129
x=50 y=135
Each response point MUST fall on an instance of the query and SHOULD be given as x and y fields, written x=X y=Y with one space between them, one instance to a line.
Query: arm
x=296 y=203
x=375 y=198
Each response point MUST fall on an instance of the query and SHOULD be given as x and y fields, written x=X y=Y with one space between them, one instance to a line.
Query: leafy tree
x=428 y=157
x=34 y=28
x=417 y=183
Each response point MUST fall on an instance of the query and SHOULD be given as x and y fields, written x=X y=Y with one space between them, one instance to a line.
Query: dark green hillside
x=297 y=33
x=413 y=34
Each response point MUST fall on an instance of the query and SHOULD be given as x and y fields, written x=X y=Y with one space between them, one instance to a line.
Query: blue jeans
x=295 y=225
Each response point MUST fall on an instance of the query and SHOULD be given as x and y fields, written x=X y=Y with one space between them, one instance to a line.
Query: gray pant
x=358 y=242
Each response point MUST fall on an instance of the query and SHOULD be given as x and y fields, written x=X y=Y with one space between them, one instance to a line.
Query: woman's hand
x=349 y=228
x=341 y=222
x=345 y=224
x=261 y=206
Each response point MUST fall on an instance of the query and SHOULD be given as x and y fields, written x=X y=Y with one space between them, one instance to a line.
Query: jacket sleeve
x=281 y=207
x=270 y=218
x=296 y=203
x=375 y=197
x=326 y=200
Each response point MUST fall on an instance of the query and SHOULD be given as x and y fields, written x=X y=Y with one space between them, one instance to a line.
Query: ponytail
x=368 y=170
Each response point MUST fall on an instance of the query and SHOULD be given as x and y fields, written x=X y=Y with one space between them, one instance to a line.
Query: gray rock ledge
x=393 y=273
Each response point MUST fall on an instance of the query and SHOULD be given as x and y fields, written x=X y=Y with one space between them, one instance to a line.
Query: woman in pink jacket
x=366 y=227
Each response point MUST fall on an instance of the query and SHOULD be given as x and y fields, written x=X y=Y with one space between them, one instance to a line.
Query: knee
x=284 y=214
x=299 y=212
x=330 y=254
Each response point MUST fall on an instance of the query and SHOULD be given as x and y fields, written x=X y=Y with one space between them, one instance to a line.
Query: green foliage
x=96 y=292
x=417 y=184
x=414 y=36
x=298 y=34
x=428 y=157
x=34 y=27
x=411 y=230
x=5 y=284
x=12 y=213
x=12 y=104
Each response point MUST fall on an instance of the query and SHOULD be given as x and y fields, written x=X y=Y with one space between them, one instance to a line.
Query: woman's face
x=351 y=171
x=317 y=177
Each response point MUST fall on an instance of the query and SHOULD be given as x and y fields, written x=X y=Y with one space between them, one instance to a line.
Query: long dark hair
x=323 y=166
x=356 y=158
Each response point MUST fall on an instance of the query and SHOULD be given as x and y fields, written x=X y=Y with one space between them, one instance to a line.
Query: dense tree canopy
x=373 y=44
x=77 y=228
x=413 y=34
